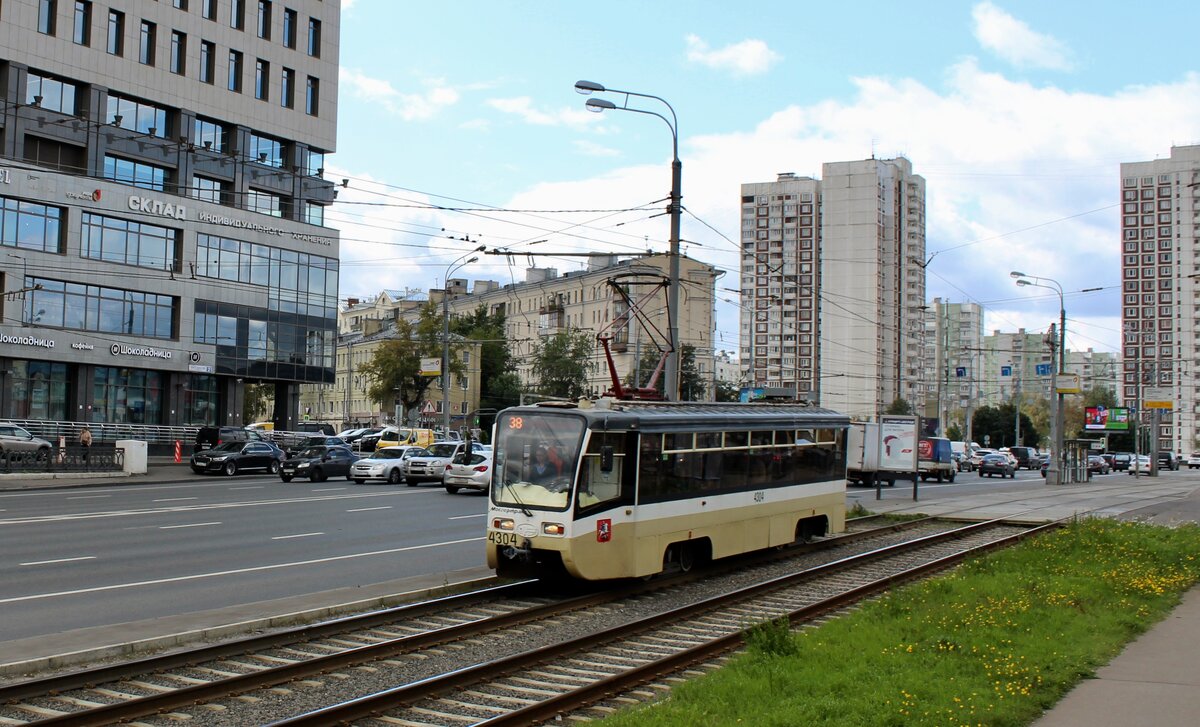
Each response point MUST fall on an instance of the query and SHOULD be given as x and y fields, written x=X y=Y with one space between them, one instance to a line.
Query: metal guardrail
x=52 y=431
x=65 y=459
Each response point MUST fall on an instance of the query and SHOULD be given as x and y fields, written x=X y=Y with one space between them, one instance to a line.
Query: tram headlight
x=503 y=523
x=553 y=529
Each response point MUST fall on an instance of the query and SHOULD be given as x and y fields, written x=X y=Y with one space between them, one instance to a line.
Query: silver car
x=385 y=464
x=16 y=439
x=468 y=471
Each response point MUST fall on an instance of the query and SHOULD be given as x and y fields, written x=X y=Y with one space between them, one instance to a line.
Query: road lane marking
x=330 y=489
x=189 y=525
x=465 y=517
x=175 y=499
x=367 y=509
x=59 y=560
x=256 y=487
x=298 y=535
x=237 y=571
x=84 y=497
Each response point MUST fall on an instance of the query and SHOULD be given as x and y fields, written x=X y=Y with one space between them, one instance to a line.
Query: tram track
x=160 y=684
x=432 y=634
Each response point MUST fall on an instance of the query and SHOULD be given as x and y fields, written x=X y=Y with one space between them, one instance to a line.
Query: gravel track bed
x=265 y=706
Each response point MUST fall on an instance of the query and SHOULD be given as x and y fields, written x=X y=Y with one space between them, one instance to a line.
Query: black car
x=317 y=463
x=1168 y=461
x=997 y=464
x=294 y=450
x=367 y=441
x=234 y=457
x=209 y=437
x=1097 y=465
x=1121 y=461
x=1027 y=457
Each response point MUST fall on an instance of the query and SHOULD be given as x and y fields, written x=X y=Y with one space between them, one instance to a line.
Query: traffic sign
x=1043 y=369
x=1006 y=370
x=428 y=408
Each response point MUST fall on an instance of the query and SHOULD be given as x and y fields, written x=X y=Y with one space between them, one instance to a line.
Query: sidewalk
x=158 y=470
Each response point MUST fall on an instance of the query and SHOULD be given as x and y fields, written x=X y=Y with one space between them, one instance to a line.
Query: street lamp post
x=1054 y=470
x=455 y=265
x=598 y=105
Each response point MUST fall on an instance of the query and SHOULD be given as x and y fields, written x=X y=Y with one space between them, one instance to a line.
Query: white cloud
x=592 y=149
x=522 y=107
x=746 y=58
x=1016 y=42
x=408 y=106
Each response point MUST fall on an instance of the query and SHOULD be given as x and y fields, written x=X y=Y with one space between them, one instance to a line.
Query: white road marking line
x=237 y=571
x=299 y=535
x=256 y=487
x=330 y=489
x=83 y=497
x=366 y=509
x=465 y=517
x=175 y=499
x=59 y=560
x=189 y=525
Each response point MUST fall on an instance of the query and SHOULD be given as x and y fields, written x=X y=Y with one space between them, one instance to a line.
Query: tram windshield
x=536 y=455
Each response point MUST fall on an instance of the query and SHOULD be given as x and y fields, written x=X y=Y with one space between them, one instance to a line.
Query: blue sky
x=1018 y=114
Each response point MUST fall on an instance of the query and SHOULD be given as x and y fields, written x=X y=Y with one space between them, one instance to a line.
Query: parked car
x=385 y=464
x=471 y=471
x=17 y=439
x=1097 y=465
x=1027 y=457
x=318 y=463
x=209 y=437
x=1121 y=461
x=430 y=465
x=1168 y=461
x=234 y=457
x=370 y=438
x=1193 y=460
x=997 y=464
x=317 y=441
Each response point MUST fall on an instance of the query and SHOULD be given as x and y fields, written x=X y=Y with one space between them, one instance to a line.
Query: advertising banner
x=898 y=443
x=431 y=367
x=1103 y=419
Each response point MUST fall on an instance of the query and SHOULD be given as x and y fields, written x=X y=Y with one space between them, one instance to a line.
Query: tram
x=622 y=489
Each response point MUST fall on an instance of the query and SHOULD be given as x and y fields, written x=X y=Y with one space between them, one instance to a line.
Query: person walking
x=85 y=441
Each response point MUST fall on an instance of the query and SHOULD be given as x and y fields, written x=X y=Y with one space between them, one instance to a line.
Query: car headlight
x=221 y=458
x=303 y=465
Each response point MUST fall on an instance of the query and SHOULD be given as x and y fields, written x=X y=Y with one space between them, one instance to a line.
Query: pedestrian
x=85 y=441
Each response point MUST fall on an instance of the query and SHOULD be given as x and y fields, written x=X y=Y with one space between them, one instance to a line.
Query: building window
x=80 y=307
x=264 y=203
x=287 y=89
x=297 y=282
x=47 y=10
x=265 y=150
x=180 y=4
x=146 y=46
x=264 y=19
x=314 y=214
x=208 y=134
x=146 y=176
x=30 y=226
x=314 y=162
x=312 y=96
x=262 y=79
x=314 y=37
x=132 y=243
x=82 y=34
x=235 y=71
x=37 y=390
x=122 y=395
x=178 y=53
x=208 y=61
x=200 y=400
x=208 y=9
x=50 y=93
x=290 y=19
x=209 y=190
x=139 y=116
x=116 y=33
x=237 y=14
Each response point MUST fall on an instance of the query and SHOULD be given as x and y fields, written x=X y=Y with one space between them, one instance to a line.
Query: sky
x=459 y=126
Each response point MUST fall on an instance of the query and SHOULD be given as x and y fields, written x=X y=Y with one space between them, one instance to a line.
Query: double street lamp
x=450 y=269
x=1054 y=470
x=599 y=105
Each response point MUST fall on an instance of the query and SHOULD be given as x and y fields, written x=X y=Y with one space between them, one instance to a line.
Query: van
x=262 y=426
x=395 y=437
x=209 y=437
x=935 y=459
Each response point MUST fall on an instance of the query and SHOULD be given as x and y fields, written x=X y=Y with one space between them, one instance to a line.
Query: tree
x=996 y=424
x=499 y=384
x=255 y=401
x=899 y=406
x=562 y=363
x=692 y=386
x=953 y=433
x=395 y=369
x=726 y=391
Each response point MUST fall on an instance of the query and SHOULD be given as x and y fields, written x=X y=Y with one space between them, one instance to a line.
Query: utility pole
x=1017 y=403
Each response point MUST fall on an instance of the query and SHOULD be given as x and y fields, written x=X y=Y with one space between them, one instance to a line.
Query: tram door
x=604 y=524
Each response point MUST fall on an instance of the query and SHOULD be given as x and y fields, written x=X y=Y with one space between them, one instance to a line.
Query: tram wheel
x=687 y=557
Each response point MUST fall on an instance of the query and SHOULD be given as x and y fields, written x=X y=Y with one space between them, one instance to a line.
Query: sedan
x=233 y=457
x=1097 y=465
x=1139 y=463
x=468 y=471
x=318 y=463
x=997 y=464
x=430 y=465
x=386 y=464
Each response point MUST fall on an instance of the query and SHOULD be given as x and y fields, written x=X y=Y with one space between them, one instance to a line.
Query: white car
x=1193 y=460
x=385 y=465
x=1139 y=464
x=468 y=471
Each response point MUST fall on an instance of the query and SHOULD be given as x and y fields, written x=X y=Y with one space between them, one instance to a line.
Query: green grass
x=994 y=643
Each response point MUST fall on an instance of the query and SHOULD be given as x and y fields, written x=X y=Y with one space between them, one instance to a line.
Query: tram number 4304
x=500 y=538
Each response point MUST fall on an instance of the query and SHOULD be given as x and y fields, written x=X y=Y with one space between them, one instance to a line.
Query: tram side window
x=649 y=466
x=596 y=484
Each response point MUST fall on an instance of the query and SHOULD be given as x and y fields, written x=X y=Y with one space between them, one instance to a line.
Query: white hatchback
x=468 y=471
x=1193 y=460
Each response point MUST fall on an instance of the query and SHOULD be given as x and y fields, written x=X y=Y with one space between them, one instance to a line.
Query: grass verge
x=994 y=643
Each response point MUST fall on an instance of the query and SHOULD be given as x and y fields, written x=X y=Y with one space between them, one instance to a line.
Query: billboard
x=431 y=367
x=1104 y=419
x=898 y=443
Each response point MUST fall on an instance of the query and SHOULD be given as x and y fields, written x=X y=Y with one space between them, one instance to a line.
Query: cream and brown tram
x=621 y=489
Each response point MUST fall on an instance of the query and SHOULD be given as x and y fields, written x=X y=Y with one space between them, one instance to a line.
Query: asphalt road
x=83 y=557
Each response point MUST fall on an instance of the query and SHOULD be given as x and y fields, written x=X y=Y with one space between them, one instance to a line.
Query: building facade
x=163 y=204
x=1160 y=257
x=954 y=360
x=833 y=285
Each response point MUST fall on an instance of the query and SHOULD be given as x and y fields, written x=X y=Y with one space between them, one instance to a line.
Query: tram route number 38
x=502 y=538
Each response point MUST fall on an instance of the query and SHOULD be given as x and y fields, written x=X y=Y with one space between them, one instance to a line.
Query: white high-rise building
x=833 y=285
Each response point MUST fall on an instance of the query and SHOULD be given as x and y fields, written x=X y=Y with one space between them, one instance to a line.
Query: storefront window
x=126 y=396
x=200 y=400
x=37 y=390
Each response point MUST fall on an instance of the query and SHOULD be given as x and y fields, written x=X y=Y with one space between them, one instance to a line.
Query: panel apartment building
x=833 y=285
x=1160 y=312
x=162 y=238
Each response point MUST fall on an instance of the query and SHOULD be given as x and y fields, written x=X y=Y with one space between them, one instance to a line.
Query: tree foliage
x=997 y=424
x=256 y=401
x=395 y=367
x=899 y=407
x=692 y=386
x=563 y=362
x=499 y=384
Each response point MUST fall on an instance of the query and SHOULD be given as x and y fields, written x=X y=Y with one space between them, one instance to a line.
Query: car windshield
x=441 y=450
x=461 y=458
x=387 y=454
x=536 y=455
x=312 y=452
